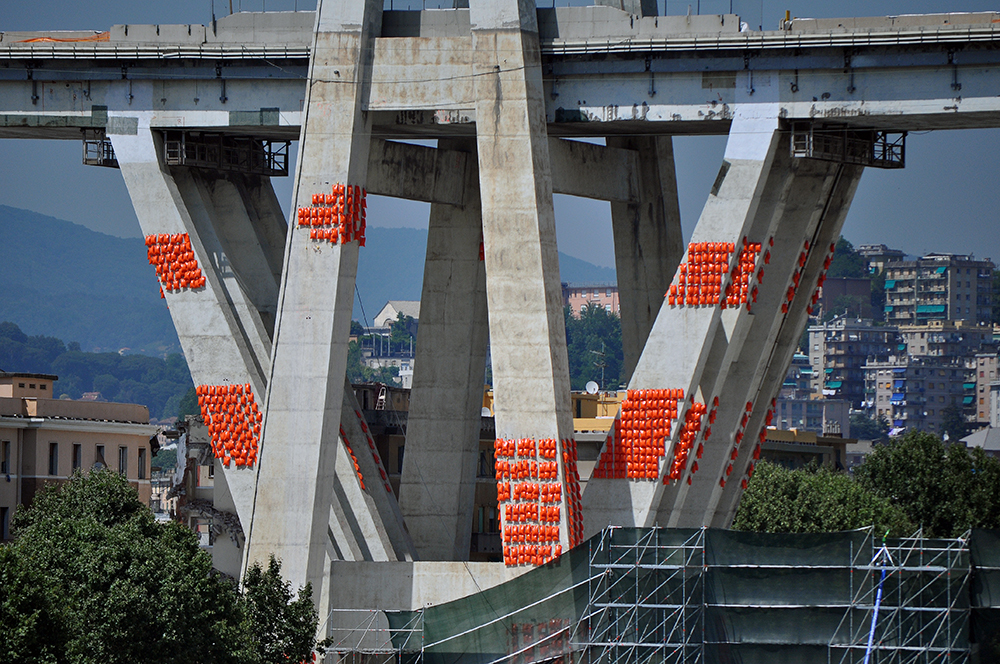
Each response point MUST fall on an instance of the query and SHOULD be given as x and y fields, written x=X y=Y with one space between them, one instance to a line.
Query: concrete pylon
x=648 y=241
x=217 y=323
x=438 y=483
x=527 y=329
x=723 y=505
x=679 y=347
x=801 y=194
x=302 y=451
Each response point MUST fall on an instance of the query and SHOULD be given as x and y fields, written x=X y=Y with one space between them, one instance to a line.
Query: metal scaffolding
x=691 y=596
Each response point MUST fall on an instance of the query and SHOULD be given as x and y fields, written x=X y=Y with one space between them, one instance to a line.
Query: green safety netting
x=632 y=594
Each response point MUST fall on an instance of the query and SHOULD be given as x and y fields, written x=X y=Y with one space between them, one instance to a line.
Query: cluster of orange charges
x=233 y=420
x=530 y=508
x=536 y=642
x=701 y=281
x=354 y=459
x=637 y=441
x=574 y=503
x=374 y=451
x=822 y=277
x=796 y=278
x=173 y=258
x=338 y=216
x=741 y=291
x=693 y=419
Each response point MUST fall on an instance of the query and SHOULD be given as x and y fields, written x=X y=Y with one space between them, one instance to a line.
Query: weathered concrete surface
x=214 y=325
x=680 y=343
x=437 y=488
x=301 y=462
x=723 y=505
x=527 y=329
x=648 y=240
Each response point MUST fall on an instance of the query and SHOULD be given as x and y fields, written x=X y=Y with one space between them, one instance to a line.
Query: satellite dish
x=486 y=412
x=592 y=387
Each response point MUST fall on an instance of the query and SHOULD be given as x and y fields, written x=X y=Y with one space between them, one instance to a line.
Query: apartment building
x=913 y=392
x=839 y=351
x=44 y=440
x=577 y=296
x=877 y=256
x=939 y=287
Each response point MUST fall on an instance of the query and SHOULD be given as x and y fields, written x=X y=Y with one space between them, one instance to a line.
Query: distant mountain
x=63 y=280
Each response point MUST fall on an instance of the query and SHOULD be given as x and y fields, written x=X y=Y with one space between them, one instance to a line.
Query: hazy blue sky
x=946 y=199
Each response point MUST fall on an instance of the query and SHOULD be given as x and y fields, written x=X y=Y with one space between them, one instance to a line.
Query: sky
x=946 y=199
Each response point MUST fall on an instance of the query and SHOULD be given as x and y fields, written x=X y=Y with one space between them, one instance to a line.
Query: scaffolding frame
x=647 y=599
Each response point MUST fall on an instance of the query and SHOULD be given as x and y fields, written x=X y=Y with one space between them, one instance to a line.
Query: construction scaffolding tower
x=632 y=595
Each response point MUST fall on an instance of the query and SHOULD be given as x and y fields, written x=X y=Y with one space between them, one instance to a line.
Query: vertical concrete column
x=680 y=344
x=299 y=467
x=214 y=322
x=527 y=329
x=648 y=241
x=437 y=488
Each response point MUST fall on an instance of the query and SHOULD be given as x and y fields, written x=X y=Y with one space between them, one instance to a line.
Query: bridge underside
x=263 y=305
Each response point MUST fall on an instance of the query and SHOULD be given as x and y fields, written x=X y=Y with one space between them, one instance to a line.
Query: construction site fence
x=704 y=595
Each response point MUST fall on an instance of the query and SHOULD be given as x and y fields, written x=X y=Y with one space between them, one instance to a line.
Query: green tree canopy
x=846 y=261
x=812 y=500
x=593 y=339
x=947 y=489
x=92 y=578
x=866 y=428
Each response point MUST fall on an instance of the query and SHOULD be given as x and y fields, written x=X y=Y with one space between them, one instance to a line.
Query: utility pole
x=600 y=363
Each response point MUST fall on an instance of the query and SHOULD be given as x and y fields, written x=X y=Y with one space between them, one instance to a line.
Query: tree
x=953 y=422
x=947 y=489
x=846 y=262
x=188 y=405
x=813 y=500
x=866 y=428
x=92 y=577
x=593 y=339
x=117 y=586
x=878 y=296
x=281 y=627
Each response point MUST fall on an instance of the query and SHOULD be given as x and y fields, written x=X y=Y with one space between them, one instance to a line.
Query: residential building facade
x=878 y=255
x=986 y=377
x=578 y=296
x=913 y=392
x=43 y=441
x=839 y=351
x=939 y=287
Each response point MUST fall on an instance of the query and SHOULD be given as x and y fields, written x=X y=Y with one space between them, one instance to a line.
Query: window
x=399 y=458
x=77 y=456
x=99 y=461
x=123 y=460
x=41 y=386
x=5 y=457
x=31 y=385
x=142 y=463
x=20 y=384
x=53 y=458
x=4 y=511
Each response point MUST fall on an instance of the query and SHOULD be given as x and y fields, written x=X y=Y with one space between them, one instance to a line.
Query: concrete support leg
x=799 y=196
x=300 y=463
x=778 y=355
x=437 y=488
x=648 y=241
x=527 y=329
x=680 y=344
x=216 y=322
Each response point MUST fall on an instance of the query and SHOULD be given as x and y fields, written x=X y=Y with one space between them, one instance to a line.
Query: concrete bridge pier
x=437 y=488
x=527 y=329
x=219 y=323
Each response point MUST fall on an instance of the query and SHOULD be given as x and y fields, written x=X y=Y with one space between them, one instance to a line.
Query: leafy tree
x=356 y=328
x=188 y=405
x=403 y=331
x=91 y=577
x=953 y=422
x=165 y=459
x=846 y=262
x=593 y=339
x=281 y=627
x=114 y=585
x=866 y=428
x=812 y=500
x=947 y=489
x=358 y=372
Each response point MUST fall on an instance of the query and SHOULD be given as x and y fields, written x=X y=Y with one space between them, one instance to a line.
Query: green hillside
x=63 y=280
x=67 y=281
